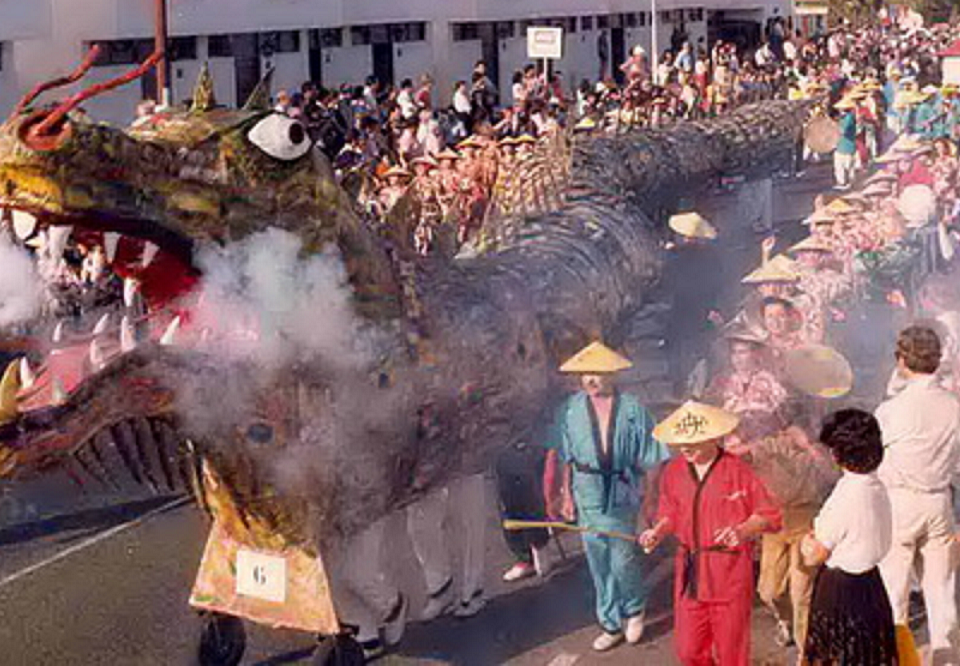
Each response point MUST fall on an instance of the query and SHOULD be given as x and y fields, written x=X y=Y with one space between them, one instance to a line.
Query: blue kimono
x=606 y=490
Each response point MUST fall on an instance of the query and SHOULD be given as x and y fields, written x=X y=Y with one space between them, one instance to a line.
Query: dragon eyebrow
x=59 y=82
x=73 y=102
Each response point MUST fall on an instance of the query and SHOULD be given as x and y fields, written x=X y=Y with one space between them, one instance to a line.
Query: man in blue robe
x=604 y=439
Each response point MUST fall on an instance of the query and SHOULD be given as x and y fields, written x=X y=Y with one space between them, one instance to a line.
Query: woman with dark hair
x=851 y=621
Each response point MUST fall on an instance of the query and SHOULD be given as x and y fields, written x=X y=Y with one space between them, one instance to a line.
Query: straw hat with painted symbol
x=841 y=206
x=397 y=171
x=447 y=154
x=525 y=139
x=778 y=269
x=508 y=141
x=870 y=84
x=856 y=199
x=695 y=423
x=811 y=244
x=818 y=371
x=469 y=142
x=692 y=225
x=917 y=204
x=596 y=359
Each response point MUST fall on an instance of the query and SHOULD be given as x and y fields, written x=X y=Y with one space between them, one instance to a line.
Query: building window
x=122 y=51
x=281 y=41
x=331 y=38
x=218 y=46
x=182 y=48
x=465 y=32
x=586 y=23
x=570 y=25
x=506 y=30
x=630 y=20
x=695 y=14
x=642 y=19
x=603 y=22
x=408 y=32
x=359 y=35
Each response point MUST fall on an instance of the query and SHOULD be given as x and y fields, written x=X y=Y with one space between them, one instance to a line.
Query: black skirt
x=851 y=622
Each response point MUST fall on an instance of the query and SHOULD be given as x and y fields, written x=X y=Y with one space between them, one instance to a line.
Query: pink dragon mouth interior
x=80 y=347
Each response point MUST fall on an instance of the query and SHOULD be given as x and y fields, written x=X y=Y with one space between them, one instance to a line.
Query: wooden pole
x=160 y=45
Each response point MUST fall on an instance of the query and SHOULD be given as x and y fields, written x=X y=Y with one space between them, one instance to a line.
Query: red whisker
x=58 y=114
x=59 y=82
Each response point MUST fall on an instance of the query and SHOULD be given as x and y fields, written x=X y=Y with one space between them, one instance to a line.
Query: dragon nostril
x=37 y=133
x=297 y=134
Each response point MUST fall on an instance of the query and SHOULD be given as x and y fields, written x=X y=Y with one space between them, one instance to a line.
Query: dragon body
x=459 y=355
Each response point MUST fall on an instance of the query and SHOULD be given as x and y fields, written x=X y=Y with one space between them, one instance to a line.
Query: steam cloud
x=21 y=292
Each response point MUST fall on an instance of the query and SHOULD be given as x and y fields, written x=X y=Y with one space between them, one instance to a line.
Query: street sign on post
x=544 y=43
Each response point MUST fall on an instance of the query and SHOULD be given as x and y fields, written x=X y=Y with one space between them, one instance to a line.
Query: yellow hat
x=692 y=225
x=587 y=123
x=397 y=171
x=470 y=142
x=596 y=358
x=820 y=216
x=845 y=104
x=841 y=207
x=525 y=138
x=819 y=371
x=778 y=269
x=742 y=332
x=447 y=154
x=810 y=244
x=695 y=423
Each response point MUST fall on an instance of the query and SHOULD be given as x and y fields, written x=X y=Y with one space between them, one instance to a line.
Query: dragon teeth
x=170 y=335
x=128 y=340
x=58 y=240
x=58 y=332
x=149 y=254
x=111 y=241
x=97 y=358
x=27 y=377
x=24 y=224
x=130 y=287
x=102 y=325
x=58 y=394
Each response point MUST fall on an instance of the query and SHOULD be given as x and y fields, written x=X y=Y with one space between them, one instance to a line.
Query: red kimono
x=713 y=585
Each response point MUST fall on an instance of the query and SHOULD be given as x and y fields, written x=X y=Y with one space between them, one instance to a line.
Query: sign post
x=545 y=43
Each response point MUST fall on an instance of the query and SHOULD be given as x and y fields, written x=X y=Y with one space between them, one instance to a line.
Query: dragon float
x=458 y=355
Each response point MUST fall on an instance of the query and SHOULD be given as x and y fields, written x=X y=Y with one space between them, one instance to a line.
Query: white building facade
x=334 y=42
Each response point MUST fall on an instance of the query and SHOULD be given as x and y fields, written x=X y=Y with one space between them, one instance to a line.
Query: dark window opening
x=219 y=46
x=465 y=32
x=586 y=23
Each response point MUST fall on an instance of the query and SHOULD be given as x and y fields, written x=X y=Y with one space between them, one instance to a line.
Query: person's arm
x=812 y=551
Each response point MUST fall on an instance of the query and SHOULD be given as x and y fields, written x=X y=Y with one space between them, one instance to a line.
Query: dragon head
x=151 y=197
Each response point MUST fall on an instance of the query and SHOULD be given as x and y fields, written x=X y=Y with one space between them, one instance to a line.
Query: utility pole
x=655 y=40
x=160 y=44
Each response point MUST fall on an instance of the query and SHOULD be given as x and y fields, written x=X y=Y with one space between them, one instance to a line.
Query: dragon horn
x=59 y=82
x=9 y=386
x=203 y=95
x=259 y=99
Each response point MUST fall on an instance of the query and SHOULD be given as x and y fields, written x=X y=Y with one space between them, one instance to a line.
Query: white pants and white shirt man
x=921 y=437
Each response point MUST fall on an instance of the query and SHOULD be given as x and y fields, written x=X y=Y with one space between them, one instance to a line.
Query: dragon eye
x=280 y=137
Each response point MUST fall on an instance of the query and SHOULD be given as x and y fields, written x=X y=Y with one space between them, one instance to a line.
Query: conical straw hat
x=692 y=225
x=695 y=423
x=819 y=371
x=596 y=358
x=778 y=269
x=811 y=244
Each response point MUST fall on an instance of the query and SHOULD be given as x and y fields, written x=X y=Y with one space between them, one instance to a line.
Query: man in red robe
x=716 y=506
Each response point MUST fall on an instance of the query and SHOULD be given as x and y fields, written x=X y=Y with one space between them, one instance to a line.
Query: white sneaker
x=541 y=562
x=635 y=627
x=607 y=641
x=519 y=571
x=395 y=623
x=438 y=603
x=472 y=606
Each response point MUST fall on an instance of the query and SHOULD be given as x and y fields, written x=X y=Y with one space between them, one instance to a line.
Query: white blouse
x=855 y=523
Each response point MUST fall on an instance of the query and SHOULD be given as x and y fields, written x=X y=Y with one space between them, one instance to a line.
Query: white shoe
x=519 y=571
x=541 y=562
x=396 y=622
x=438 y=603
x=472 y=606
x=635 y=627
x=607 y=641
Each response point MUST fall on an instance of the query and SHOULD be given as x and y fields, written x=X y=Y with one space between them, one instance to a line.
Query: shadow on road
x=87 y=521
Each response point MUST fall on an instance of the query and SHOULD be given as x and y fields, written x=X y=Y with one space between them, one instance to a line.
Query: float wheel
x=339 y=650
x=222 y=641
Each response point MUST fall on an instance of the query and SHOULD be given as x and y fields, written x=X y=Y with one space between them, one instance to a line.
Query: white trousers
x=843 y=168
x=461 y=509
x=360 y=587
x=923 y=529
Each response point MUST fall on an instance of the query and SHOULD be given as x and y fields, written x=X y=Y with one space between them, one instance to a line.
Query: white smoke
x=21 y=291
x=262 y=300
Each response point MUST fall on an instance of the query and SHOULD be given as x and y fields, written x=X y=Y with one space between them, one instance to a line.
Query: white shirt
x=855 y=523
x=921 y=437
